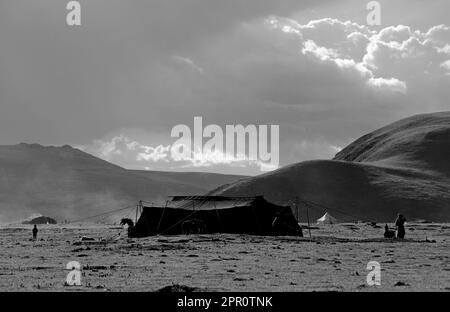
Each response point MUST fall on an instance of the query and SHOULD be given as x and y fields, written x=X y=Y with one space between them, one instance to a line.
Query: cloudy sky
x=116 y=85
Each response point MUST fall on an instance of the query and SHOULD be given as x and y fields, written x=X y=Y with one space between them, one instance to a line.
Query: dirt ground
x=335 y=259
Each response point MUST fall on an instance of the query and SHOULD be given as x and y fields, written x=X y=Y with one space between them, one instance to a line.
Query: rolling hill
x=401 y=168
x=66 y=183
x=203 y=180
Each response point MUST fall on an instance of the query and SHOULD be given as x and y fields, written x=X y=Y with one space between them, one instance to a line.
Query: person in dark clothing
x=35 y=231
x=400 y=225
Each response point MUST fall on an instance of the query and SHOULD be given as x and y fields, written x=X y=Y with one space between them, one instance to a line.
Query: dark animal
x=128 y=222
x=388 y=233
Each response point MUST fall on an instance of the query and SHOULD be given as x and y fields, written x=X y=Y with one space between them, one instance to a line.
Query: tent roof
x=211 y=202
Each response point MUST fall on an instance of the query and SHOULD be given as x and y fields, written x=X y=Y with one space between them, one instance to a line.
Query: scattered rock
x=239 y=279
x=95 y=267
x=86 y=239
x=178 y=288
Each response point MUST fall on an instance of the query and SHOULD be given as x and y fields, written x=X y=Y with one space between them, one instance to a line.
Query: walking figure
x=35 y=231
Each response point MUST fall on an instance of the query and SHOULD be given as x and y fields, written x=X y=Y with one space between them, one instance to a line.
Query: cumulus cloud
x=378 y=56
x=391 y=83
x=123 y=150
x=154 y=154
x=446 y=65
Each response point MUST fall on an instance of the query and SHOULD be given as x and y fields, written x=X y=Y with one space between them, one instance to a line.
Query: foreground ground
x=335 y=259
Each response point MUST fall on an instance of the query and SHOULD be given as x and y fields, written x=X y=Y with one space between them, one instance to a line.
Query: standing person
x=400 y=225
x=35 y=231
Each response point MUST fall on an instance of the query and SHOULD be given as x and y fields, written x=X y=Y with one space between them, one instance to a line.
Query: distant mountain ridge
x=403 y=167
x=66 y=183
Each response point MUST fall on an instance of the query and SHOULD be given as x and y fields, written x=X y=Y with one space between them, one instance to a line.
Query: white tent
x=327 y=219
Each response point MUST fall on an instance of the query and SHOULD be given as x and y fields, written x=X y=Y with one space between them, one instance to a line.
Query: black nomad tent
x=216 y=214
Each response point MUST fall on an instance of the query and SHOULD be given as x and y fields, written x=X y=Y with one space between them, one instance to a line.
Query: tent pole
x=160 y=219
x=307 y=216
x=135 y=216
x=218 y=217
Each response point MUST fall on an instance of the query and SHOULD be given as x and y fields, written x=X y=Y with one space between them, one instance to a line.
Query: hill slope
x=403 y=167
x=420 y=142
x=66 y=183
x=204 y=180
